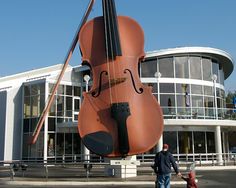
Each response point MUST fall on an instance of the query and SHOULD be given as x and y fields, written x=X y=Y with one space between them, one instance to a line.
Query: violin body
x=119 y=116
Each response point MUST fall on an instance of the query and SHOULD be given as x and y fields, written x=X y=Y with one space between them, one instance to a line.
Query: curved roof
x=221 y=56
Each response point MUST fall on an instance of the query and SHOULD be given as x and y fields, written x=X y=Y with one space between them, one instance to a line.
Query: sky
x=38 y=33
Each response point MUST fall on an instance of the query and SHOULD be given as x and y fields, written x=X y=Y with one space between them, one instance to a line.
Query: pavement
x=144 y=180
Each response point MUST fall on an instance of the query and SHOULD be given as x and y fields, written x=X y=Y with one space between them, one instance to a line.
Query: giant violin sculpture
x=119 y=116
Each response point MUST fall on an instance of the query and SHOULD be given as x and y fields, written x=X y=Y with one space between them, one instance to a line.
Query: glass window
x=149 y=68
x=42 y=88
x=206 y=68
x=68 y=143
x=42 y=103
x=208 y=104
x=76 y=143
x=185 y=142
x=51 y=86
x=51 y=124
x=60 y=120
x=68 y=90
x=199 y=142
x=166 y=67
x=68 y=119
x=60 y=90
x=60 y=106
x=27 y=110
x=76 y=105
x=195 y=68
x=33 y=124
x=167 y=88
x=220 y=103
x=77 y=91
x=36 y=150
x=153 y=86
x=218 y=92
x=182 y=88
x=181 y=67
x=27 y=91
x=52 y=110
x=222 y=77
x=208 y=101
x=167 y=103
x=167 y=100
x=51 y=144
x=60 y=144
x=208 y=90
x=197 y=101
x=183 y=103
x=69 y=106
x=35 y=105
x=210 y=137
x=170 y=138
x=26 y=125
x=196 y=89
x=197 y=106
x=215 y=69
x=222 y=93
x=25 y=145
x=76 y=117
x=35 y=90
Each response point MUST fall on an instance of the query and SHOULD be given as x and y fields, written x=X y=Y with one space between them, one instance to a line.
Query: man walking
x=162 y=167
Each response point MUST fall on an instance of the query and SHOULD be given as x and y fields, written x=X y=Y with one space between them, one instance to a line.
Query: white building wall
x=13 y=126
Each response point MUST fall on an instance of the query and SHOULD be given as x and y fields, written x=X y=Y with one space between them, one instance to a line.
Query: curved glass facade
x=186 y=86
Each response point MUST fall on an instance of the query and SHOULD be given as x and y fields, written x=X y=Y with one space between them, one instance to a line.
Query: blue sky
x=38 y=33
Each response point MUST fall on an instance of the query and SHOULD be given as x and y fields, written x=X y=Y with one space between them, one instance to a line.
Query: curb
x=68 y=183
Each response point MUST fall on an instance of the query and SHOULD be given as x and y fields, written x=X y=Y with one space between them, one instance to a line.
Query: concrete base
x=125 y=168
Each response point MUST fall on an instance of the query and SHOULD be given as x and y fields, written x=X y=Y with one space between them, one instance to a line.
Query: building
x=188 y=82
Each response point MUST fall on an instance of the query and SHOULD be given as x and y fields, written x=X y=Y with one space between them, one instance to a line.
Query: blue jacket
x=163 y=162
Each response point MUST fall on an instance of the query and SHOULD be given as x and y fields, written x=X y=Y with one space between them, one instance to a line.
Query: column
x=218 y=145
x=160 y=144
x=45 y=136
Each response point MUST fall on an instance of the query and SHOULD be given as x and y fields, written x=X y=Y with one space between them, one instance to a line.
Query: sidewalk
x=102 y=181
x=139 y=180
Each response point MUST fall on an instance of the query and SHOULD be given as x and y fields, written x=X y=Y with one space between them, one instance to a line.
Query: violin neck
x=112 y=38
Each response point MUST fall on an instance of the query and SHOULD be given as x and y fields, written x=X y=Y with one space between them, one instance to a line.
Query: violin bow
x=34 y=137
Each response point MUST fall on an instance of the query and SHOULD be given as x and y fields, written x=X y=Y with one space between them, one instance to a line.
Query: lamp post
x=86 y=151
x=214 y=78
x=158 y=76
x=218 y=141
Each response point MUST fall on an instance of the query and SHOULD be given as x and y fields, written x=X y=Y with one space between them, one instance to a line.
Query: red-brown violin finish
x=119 y=116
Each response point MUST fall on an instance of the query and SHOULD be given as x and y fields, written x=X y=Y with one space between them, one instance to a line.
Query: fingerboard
x=112 y=38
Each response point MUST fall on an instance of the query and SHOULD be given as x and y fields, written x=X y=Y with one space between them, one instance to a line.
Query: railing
x=68 y=158
x=198 y=113
x=84 y=169
x=200 y=159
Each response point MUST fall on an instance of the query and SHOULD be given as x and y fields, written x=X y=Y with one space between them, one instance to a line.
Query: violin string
x=106 y=43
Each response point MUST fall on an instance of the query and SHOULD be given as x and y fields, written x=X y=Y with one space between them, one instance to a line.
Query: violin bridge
x=117 y=81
